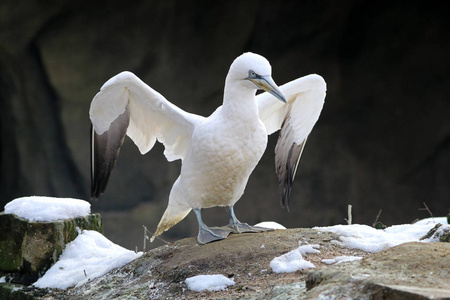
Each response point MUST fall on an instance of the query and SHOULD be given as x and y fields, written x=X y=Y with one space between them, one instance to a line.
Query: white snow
x=341 y=259
x=361 y=237
x=442 y=220
x=46 y=209
x=293 y=260
x=445 y=228
x=270 y=224
x=373 y=240
x=216 y=282
x=89 y=256
x=3 y=279
x=92 y=255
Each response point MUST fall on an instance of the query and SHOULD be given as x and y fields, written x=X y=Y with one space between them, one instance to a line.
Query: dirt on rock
x=160 y=273
x=412 y=270
x=407 y=271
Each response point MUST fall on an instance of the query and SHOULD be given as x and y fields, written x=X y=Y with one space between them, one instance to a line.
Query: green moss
x=13 y=292
x=380 y=225
x=10 y=258
x=32 y=247
x=11 y=239
x=90 y=222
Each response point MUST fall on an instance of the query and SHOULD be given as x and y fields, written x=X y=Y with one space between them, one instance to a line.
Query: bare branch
x=147 y=238
x=427 y=209
x=376 y=219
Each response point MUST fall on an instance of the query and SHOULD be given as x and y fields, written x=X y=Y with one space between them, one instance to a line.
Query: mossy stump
x=30 y=248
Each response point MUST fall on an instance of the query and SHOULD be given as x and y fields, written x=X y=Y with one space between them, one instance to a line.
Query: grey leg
x=237 y=227
x=207 y=234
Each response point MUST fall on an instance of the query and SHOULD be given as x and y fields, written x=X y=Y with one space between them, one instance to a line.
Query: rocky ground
x=408 y=271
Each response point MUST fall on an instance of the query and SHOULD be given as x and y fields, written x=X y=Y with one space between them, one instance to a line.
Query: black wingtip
x=287 y=208
x=105 y=149
x=286 y=187
x=287 y=203
x=285 y=191
x=286 y=170
x=95 y=189
x=95 y=192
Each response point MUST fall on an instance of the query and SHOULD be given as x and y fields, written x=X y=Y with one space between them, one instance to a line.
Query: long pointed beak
x=267 y=84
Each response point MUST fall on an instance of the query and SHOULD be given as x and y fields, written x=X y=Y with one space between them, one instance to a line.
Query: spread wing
x=125 y=105
x=305 y=98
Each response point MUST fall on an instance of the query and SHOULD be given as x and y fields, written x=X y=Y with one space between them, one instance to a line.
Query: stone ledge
x=30 y=248
x=407 y=271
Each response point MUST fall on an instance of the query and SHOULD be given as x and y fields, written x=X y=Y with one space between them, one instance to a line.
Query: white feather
x=218 y=152
x=151 y=115
x=305 y=98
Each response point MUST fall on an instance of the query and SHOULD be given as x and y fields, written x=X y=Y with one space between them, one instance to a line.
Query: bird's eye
x=251 y=74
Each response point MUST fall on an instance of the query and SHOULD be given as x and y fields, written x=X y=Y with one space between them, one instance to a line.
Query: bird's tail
x=170 y=218
x=176 y=211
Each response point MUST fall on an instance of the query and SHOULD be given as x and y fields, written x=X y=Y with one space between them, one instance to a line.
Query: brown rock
x=407 y=271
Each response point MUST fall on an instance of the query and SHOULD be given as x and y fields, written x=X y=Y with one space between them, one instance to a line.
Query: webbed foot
x=237 y=227
x=244 y=227
x=208 y=235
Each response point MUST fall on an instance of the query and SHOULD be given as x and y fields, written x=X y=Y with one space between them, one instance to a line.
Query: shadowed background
x=382 y=141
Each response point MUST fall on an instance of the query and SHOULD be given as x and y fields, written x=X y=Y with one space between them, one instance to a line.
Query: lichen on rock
x=30 y=248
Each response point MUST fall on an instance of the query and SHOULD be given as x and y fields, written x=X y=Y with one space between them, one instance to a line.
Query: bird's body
x=218 y=153
x=228 y=146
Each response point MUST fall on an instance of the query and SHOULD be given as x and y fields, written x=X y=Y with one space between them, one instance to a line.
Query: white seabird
x=219 y=152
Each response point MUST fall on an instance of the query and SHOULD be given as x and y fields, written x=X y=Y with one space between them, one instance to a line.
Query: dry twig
x=147 y=238
x=376 y=219
x=427 y=209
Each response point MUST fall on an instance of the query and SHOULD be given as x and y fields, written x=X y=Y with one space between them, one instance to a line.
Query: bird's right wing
x=296 y=118
x=126 y=105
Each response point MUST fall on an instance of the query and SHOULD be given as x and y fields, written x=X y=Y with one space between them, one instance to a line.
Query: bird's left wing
x=305 y=98
x=125 y=105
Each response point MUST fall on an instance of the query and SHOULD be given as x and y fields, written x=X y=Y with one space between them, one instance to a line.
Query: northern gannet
x=218 y=152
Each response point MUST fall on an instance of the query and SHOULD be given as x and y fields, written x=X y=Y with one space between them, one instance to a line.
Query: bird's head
x=253 y=70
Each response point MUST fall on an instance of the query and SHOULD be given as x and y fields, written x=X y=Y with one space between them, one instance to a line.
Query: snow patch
x=89 y=256
x=270 y=224
x=215 y=282
x=373 y=240
x=442 y=220
x=341 y=259
x=293 y=260
x=46 y=209
x=436 y=236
